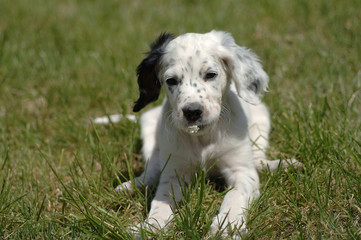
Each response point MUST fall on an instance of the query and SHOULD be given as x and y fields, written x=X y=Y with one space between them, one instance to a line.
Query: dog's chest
x=202 y=149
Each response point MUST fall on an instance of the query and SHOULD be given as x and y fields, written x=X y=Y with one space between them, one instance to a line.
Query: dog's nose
x=193 y=112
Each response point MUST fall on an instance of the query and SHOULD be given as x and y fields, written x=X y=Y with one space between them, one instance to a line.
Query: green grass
x=65 y=62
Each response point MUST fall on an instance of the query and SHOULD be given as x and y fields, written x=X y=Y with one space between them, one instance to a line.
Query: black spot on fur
x=171 y=89
x=254 y=85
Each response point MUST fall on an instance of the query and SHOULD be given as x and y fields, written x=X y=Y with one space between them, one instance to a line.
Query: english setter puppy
x=212 y=116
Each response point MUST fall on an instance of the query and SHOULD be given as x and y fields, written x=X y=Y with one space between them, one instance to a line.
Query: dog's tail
x=115 y=118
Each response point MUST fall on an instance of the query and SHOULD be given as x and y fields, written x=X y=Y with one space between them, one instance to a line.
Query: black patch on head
x=194 y=84
x=198 y=52
x=149 y=84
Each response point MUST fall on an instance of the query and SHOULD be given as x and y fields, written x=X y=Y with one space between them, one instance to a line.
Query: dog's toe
x=292 y=162
x=217 y=230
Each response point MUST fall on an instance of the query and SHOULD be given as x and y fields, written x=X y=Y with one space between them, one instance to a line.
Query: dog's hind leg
x=149 y=126
x=259 y=129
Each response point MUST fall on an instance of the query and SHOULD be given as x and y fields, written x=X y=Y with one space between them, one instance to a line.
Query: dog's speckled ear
x=147 y=72
x=243 y=65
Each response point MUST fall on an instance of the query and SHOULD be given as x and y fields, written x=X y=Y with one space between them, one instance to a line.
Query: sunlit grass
x=62 y=63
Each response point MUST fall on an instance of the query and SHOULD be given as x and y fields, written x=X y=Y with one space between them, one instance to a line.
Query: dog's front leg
x=243 y=183
x=163 y=204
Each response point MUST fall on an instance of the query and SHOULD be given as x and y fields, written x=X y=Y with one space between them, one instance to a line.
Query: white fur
x=221 y=79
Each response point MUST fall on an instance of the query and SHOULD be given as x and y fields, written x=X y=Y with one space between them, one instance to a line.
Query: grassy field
x=63 y=63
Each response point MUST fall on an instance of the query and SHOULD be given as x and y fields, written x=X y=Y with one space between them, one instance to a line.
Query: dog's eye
x=210 y=75
x=171 y=81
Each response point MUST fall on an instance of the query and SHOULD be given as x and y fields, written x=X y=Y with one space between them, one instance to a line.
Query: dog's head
x=196 y=70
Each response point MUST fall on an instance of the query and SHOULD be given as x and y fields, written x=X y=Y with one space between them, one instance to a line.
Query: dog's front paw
x=141 y=230
x=125 y=187
x=223 y=227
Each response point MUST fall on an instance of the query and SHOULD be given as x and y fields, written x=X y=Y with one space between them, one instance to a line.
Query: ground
x=63 y=63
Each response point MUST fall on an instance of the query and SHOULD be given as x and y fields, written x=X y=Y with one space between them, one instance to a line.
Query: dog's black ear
x=147 y=72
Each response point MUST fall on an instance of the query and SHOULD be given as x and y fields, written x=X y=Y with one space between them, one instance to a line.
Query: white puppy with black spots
x=212 y=116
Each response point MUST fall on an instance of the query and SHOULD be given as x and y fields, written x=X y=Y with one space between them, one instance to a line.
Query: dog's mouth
x=194 y=129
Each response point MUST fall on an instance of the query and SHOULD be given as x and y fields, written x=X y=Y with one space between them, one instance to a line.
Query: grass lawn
x=63 y=63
